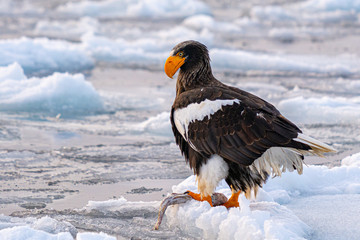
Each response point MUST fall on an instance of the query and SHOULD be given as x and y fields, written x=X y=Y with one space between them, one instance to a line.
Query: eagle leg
x=233 y=200
x=199 y=197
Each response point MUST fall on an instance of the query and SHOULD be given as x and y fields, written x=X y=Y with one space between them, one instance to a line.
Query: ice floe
x=352 y=160
x=270 y=215
x=150 y=49
x=311 y=11
x=45 y=228
x=321 y=110
x=157 y=125
x=208 y=22
x=275 y=213
x=44 y=56
x=67 y=29
x=135 y=8
x=331 y=5
x=267 y=216
x=264 y=62
x=9 y=7
x=60 y=93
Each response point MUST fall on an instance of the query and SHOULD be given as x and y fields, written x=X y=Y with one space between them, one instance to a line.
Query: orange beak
x=172 y=64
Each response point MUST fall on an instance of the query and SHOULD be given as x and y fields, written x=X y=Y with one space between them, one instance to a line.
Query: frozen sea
x=86 y=148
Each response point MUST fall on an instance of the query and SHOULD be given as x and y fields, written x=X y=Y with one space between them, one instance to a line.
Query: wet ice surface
x=71 y=141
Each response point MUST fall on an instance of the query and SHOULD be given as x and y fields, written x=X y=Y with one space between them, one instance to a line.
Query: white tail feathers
x=317 y=148
x=277 y=160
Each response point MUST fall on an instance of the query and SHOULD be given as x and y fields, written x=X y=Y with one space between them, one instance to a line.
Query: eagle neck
x=190 y=79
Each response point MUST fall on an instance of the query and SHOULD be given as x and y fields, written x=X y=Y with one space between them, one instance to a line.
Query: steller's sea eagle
x=227 y=133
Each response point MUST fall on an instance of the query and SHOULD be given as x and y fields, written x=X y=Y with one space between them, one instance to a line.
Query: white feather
x=317 y=147
x=198 y=111
x=211 y=174
x=277 y=160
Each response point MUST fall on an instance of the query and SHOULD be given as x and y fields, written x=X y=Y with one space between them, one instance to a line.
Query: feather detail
x=277 y=160
x=317 y=148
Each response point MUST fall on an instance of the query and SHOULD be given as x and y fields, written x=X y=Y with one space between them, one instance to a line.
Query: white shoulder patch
x=198 y=111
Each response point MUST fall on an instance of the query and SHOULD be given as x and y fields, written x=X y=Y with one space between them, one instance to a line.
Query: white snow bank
x=267 y=217
x=321 y=110
x=251 y=61
x=59 y=93
x=261 y=219
x=45 y=228
x=33 y=228
x=135 y=8
x=352 y=160
x=319 y=180
x=25 y=232
x=43 y=55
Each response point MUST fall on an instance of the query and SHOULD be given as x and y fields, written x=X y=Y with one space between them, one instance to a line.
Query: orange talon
x=199 y=197
x=233 y=200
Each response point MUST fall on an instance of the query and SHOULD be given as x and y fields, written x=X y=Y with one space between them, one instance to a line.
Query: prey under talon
x=199 y=197
x=217 y=199
x=175 y=198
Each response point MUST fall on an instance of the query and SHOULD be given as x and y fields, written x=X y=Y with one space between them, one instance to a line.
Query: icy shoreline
x=275 y=213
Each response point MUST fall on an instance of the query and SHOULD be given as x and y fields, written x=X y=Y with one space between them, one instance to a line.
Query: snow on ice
x=311 y=11
x=43 y=55
x=152 y=48
x=251 y=61
x=9 y=7
x=58 y=93
x=136 y=8
x=70 y=28
x=321 y=110
x=269 y=216
x=201 y=21
x=157 y=125
x=45 y=228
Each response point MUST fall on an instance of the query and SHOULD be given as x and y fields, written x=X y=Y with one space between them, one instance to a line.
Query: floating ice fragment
x=94 y=236
x=321 y=110
x=42 y=55
x=59 y=93
x=135 y=8
x=352 y=160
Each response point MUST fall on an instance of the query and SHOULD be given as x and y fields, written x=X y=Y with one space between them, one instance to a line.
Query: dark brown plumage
x=240 y=131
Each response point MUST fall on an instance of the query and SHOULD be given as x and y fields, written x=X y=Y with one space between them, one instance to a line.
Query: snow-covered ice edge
x=46 y=56
x=59 y=93
x=264 y=217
